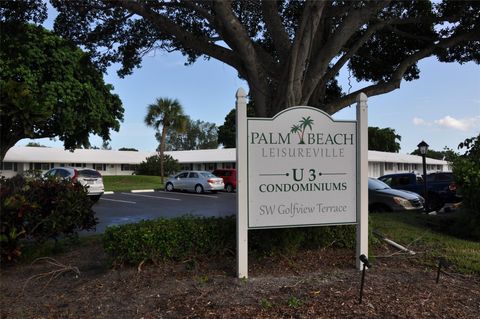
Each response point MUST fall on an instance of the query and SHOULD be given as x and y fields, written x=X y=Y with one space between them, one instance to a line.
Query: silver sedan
x=197 y=181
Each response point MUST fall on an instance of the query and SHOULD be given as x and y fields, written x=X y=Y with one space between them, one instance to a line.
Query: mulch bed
x=312 y=284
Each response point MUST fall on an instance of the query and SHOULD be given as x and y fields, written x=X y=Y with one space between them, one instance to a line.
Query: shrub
x=151 y=166
x=186 y=237
x=466 y=169
x=175 y=239
x=37 y=209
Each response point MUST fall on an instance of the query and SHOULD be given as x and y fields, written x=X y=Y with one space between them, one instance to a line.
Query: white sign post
x=242 y=227
x=300 y=168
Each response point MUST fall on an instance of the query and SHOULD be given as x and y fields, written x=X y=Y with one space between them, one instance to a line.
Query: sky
x=442 y=107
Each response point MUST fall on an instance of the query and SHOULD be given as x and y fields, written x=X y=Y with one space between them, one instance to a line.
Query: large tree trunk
x=7 y=141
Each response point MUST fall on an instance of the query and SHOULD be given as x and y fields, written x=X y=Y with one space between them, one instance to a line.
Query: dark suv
x=441 y=188
x=229 y=176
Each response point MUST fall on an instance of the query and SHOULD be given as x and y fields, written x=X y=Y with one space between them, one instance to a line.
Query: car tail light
x=211 y=181
x=452 y=187
x=75 y=175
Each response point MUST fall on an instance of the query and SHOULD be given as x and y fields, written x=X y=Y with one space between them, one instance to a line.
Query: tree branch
x=187 y=39
x=237 y=37
x=301 y=50
x=342 y=34
x=396 y=79
x=276 y=30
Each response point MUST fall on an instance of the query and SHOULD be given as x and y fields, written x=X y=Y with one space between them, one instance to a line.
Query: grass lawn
x=131 y=182
x=408 y=229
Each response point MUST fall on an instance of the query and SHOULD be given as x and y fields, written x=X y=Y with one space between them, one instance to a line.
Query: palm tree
x=168 y=114
x=296 y=129
x=304 y=123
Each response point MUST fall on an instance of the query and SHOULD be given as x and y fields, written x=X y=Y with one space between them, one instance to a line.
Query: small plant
x=294 y=302
x=202 y=279
x=265 y=303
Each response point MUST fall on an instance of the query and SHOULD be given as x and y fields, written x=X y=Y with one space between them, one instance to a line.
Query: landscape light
x=423 y=149
x=441 y=262
x=366 y=263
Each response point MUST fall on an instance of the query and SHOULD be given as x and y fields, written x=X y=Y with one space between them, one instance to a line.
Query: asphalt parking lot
x=122 y=208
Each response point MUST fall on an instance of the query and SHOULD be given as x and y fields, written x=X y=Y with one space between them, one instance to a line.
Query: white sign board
x=302 y=170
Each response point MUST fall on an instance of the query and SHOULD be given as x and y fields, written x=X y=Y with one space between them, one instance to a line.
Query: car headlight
x=405 y=203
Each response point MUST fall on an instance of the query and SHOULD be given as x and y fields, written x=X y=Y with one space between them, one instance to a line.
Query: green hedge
x=187 y=237
x=39 y=209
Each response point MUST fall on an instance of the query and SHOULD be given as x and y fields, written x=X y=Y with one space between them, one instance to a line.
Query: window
x=182 y=175
x=399 y=166
x=193 y=175
x=404 y=180
x=128 y=167
x=100 y=167
x=9 y=166
x=41 y=166
x=50 y=173
x=62 y=173
x=389 y=166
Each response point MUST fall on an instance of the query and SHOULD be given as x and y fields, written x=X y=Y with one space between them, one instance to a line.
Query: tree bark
x=162 y=151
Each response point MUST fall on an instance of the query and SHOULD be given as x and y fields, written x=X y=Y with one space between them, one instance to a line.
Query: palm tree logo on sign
x=304 y=123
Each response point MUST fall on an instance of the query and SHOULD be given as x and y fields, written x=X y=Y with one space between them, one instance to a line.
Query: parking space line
x=117 y=200
x=188 y=194
x=149 y=196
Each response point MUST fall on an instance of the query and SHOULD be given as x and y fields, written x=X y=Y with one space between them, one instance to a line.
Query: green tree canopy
x=197 y=135
x=227 y=133
x=128 y=149
x=466 y=171
x=383 y=139
x=290 y=52
x=50 y=88
x=34 y=144
x=447 y=154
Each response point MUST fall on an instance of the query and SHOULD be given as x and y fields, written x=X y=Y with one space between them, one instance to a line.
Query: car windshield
x=440 y=177
x=375 y=184
x=208 y=175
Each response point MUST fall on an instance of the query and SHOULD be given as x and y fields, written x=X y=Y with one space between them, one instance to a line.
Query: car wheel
x=95 y=198
x=199 y=189
x=435 y=203
x=229 y=188
x=169 y=187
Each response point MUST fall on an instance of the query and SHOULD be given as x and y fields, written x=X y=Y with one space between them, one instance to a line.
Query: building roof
x=376 y=156
x=218 y=155
x=57 y=155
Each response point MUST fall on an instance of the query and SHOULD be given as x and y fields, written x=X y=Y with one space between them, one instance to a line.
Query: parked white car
x=197 y=181
x=88 y=177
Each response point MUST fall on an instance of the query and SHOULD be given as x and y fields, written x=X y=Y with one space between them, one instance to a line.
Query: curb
x=142 y=191
x=131 y=191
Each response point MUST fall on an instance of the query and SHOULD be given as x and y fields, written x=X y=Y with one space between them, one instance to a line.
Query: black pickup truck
x=441 y=188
